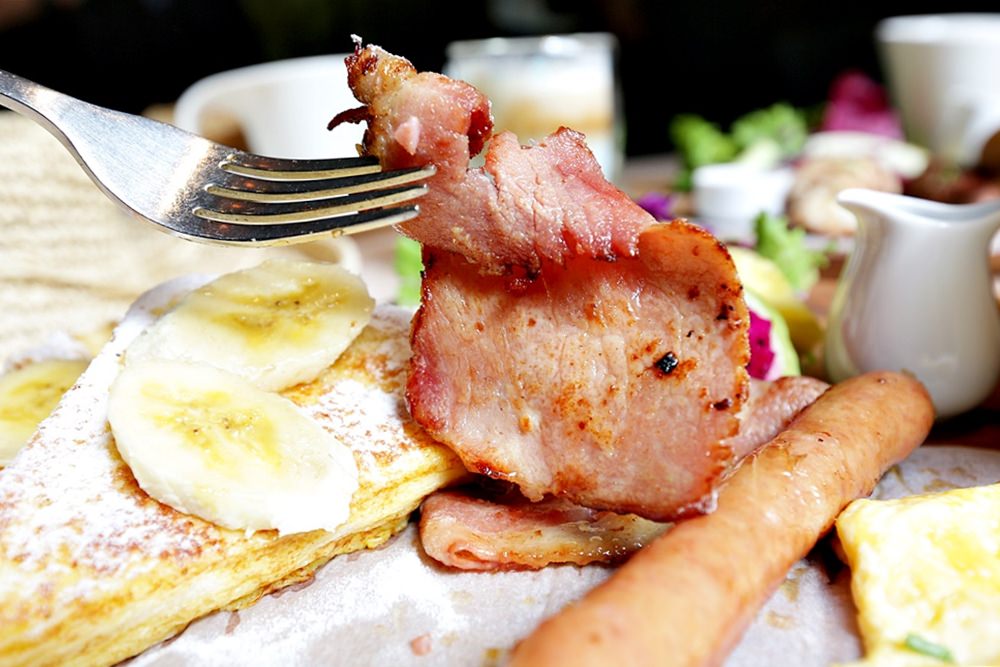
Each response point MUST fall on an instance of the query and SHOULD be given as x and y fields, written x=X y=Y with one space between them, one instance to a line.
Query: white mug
x=943 y=72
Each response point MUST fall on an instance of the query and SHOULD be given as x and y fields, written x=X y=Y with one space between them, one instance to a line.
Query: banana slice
x=28 y=395
x=207 y=443
x=278 y=324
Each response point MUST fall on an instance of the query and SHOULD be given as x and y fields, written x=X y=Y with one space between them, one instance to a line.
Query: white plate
x=367 y=608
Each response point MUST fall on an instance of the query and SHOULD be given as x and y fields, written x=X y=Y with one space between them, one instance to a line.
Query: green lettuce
x=699 y=142
x=786 y=247
x=408 y=264
x=780 y=124
x=764 y=137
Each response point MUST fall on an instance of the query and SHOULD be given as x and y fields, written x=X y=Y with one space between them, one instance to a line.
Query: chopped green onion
x=918 y=644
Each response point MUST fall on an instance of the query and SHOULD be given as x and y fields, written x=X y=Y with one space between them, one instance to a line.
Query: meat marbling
x=467 y=532
x=565 y=341
x=525 y=205
x=479 y=529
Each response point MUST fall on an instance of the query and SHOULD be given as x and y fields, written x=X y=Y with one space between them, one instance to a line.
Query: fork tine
x=262 y=213
x=285 y=234
x=250 y=189
x=161 y=173
x=290 y=169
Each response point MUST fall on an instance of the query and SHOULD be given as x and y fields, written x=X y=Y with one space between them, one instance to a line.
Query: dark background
x=719 y=59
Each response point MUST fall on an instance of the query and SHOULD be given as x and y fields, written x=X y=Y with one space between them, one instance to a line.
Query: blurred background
x=717 y=59
x=768 y=182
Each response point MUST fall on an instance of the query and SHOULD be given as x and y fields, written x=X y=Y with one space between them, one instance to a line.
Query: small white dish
x=729 y=196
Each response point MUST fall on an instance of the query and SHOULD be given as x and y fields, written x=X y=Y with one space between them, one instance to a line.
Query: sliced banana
x=277 y=324
x=207 y=443
x=28 y=395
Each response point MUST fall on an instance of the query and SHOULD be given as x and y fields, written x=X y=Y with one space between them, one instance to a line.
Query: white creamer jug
x=916 y=295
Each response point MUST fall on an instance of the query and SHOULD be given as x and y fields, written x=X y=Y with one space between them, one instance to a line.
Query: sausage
x=687 y=598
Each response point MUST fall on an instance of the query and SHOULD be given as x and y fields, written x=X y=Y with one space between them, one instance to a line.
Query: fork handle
x=41 y=104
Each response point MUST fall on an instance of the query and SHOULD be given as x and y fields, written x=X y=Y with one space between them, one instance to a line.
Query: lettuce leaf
x=699 y=142
x=408 y=264
x=764 y=137
x=781 y=123
x=786 y=247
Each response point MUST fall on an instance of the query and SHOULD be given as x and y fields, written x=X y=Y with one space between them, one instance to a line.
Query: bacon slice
x=465 y=530
x=565 y=341
x=771 y=406
x=470 y=533
x=611 y=384
x=524 y=206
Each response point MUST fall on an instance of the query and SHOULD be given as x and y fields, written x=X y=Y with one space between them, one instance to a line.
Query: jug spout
x=873 y=207
x=916 y=295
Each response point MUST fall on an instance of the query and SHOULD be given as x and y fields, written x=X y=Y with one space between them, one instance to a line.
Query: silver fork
x=204 y=191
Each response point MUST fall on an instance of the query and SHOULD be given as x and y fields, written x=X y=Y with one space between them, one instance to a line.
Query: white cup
x=536 y=84
x=944 y=74
x=281 y=107
x=729 y=196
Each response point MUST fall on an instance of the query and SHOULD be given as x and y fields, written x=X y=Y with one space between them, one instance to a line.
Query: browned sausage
x=687 y=598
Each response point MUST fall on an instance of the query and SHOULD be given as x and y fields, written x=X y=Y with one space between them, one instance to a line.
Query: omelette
x=925 y=576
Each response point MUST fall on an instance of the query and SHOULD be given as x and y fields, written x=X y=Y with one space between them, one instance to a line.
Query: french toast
x=93 y=570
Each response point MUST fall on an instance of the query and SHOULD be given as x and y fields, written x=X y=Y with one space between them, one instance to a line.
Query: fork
x=204 y=191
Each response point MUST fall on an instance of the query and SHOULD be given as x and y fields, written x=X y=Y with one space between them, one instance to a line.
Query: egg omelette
x=925 y=576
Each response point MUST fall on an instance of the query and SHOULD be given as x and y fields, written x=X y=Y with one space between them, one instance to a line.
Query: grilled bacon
x=477 y=529
x=565 y=341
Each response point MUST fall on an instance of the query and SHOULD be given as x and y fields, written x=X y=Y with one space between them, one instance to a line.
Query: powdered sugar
x=73 y=523
x=363 y=410
x=59 y=345
x=70 y=524
x=62 y=503
x=370 y=416
x=366 y=608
